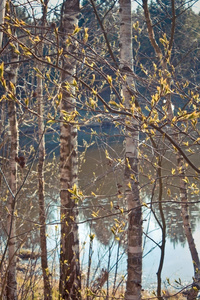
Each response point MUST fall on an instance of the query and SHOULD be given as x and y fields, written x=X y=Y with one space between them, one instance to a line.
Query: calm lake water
x=104 y=178
x=177 y=263
x=101 y=180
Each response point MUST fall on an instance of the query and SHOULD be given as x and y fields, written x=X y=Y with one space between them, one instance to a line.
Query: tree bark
x=42 y=214
x=163 y=228
x=70 y=278
x=41 y=160
x=11 y=289
x=133 y=287
x=2 y=15
x=192 y=294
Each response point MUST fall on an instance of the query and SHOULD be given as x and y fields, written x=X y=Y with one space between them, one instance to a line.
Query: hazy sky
x=196 y=6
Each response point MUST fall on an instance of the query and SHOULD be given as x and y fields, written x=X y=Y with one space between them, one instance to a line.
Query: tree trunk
x=192 y=294
x=163 y=228
x=11 y=289
x=70 y=281
x=2 y=15
x=42 y=214
x=133 y=288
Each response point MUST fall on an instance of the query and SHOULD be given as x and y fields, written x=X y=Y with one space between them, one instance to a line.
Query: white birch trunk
x=133 y=288
x=11 y=289
x=70 y=282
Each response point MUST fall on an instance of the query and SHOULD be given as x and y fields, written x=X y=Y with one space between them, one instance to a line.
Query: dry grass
x=32 y=289
x=172 y=295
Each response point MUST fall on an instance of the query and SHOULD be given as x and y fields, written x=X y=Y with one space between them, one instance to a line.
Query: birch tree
x=70 y=281
x=12 y=70
x=41 y=184
x=11 y=277
x=133 y=287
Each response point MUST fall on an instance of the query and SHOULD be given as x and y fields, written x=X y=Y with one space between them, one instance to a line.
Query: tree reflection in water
x=100 y=179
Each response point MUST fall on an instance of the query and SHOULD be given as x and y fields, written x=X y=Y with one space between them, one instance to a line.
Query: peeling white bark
x=70 y=282
x=133 y=287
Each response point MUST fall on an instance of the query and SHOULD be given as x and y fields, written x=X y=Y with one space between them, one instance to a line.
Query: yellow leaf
x=60 y=51
x=113 y=103
x=173 y=171
x=60 y=96
x=95 y=214
x=37 y=39
x=197 y=140
x=128 y=164
x=2 y=98
x=26 y=101
x=107 y=154
x=190 y=150
x=76 y=30
x=72 y=218
x=91 y=236
x=1 y=69
x=74 y=190
x=186 y=180
x=121 y=210
x=109 y=79
x=85 y=39
x=129 y=185
x=48 y=59
x=147 y=108
x=113 y=231
x=111 y=205
x=93 y=78
x=133 y=177
x=94 y=92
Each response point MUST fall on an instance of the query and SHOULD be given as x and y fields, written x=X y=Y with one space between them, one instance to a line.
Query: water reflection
x=101 y=181
x=103 y=177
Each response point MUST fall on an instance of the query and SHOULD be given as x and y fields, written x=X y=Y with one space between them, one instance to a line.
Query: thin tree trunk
x=192 y=294
x=11 y=289
x=41 y=188
x=2 y=15
x=133 y=288
x=162 y=224
x=42 y=214
x=70 y=279
x=162 y=247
